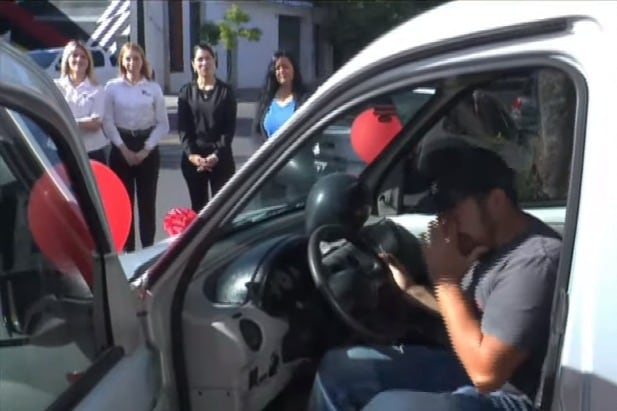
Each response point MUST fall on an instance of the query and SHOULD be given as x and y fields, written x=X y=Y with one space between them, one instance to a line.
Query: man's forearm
x=463 y=328
x=421 y=294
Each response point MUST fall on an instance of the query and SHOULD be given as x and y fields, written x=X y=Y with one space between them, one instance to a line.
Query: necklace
x=203 y=85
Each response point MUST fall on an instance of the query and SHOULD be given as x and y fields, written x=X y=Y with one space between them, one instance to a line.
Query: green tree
x=227 y=32
x=353 y=24
x=209 y=32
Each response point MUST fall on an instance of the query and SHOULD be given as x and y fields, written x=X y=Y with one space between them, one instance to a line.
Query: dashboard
x=273 y=275
x=264 y=317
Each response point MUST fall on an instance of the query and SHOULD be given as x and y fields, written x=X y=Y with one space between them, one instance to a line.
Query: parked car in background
x=105 y=63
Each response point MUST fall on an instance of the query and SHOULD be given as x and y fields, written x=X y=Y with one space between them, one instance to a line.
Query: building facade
x=169 y=29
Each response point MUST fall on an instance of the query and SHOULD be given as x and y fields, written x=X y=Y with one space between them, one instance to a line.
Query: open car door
x=70 y=336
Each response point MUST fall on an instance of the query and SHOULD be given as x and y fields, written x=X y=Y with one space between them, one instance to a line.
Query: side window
x=98 y=58
x=353 y=140
x=47 y=336
x=527 y=117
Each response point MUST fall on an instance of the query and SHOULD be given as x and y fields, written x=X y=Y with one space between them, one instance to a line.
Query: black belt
x=145 y=133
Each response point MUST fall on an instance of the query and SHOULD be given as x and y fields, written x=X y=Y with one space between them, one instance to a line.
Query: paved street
x=172 y=190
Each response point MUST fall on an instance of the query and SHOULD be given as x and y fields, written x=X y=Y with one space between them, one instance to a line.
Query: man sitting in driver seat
x=493 y=268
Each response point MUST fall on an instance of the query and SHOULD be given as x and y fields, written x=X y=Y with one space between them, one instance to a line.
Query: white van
x=105 y=64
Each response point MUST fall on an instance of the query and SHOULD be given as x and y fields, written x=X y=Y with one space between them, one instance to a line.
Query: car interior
x=298 y=273
x=280 y=288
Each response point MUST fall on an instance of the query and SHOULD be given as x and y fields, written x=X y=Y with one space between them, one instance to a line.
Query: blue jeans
x=406 y=378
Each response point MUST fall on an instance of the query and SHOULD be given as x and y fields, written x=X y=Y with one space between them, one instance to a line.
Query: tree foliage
x=227 y=32
x=353 y=24
x=230 y=29
x=209 y=32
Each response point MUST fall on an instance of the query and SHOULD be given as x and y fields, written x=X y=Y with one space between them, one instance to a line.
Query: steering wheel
x=364 y=282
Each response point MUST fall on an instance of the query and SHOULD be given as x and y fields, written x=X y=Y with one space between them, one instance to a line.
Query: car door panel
x=131 y=385
x=16 y=389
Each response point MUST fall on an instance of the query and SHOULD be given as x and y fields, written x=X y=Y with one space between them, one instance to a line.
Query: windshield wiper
x=268 y=212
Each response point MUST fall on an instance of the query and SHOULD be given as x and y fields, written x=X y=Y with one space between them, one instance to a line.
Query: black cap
x=455 y=173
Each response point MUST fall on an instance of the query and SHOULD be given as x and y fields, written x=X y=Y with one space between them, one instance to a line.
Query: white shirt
x=137 y=106
x=86 y=101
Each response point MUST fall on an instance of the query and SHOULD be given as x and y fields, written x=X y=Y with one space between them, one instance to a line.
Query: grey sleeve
x=518 y=309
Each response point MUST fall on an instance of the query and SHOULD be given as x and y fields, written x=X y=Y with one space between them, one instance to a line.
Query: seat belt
x=550 y=367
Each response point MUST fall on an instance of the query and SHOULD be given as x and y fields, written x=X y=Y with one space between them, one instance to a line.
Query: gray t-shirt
x=513 y=289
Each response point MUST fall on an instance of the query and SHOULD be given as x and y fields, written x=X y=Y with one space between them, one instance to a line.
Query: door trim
x=90 y=378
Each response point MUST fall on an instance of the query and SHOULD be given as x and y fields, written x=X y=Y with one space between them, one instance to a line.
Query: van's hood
x=136 y=263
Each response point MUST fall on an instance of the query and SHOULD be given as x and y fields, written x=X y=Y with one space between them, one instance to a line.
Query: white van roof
x=459 y=19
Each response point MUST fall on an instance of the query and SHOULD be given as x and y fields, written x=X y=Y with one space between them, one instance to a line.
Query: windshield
x=347 y=144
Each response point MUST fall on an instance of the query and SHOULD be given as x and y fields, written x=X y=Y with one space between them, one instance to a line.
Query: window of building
x=176 y=31
x=289 y=35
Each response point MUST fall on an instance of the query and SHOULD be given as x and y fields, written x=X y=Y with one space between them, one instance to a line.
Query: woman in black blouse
x=206 y=124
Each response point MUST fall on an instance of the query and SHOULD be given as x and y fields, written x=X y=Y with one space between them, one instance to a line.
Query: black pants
x=99 y=155
x=201 y=183
x=141 y=181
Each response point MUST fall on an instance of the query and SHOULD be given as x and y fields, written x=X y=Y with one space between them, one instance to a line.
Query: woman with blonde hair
x=135 y=121
x=85 y=98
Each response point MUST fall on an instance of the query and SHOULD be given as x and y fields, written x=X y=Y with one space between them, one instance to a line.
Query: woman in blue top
x=282 y=94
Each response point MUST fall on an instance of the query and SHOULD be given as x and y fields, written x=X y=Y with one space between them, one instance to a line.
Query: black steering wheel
x=361 y=283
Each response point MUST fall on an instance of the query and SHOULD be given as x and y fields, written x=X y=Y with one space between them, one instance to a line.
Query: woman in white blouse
x=85 y=98
x=135 y=120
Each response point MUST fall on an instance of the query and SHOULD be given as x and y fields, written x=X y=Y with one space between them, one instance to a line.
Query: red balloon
x=59 y=228
x=116 y=202
x=177 y=219
x=372 y=130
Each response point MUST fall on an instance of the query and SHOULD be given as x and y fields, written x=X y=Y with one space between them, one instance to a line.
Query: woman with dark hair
x=206 y=124
x=282 y=94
